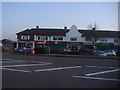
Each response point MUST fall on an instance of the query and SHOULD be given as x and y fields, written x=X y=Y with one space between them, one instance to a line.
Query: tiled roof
x=62 y=32
x=99 y=33
x=45 y=32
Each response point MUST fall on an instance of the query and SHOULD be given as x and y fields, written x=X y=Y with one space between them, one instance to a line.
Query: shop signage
x=39 y=42
x=45 y=42
x=75 y=43
x=87 y=43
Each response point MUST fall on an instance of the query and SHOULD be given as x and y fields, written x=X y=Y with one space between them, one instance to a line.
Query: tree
x=93 y=26
x=94 y=35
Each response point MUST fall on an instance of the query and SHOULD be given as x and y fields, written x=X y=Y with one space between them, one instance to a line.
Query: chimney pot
x=37 y=27
x=65 y=27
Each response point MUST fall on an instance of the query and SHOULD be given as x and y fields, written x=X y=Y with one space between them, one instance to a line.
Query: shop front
x=74 y=46
x=26 y=44
x=117 y=46
x=88 y=45
x=49 y=44
x=106 y=46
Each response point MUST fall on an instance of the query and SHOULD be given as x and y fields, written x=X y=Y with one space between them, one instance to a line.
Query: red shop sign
x=41 y=42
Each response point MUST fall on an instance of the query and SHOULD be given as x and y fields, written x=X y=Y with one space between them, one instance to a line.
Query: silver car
x=107 y=53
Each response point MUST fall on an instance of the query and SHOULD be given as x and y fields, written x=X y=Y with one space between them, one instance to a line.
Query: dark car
x=5 y=49
x=28 y=51
x=25 y=50
x=19 y=50
x=118 y=53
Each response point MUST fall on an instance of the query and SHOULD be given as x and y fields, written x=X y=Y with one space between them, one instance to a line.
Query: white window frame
x=103 y=39
x=25 y=37
x=74 y=38
x=42 y=38
x=57 y=38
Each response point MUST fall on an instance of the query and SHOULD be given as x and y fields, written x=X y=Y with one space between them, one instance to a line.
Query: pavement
x=81 y=56
x=77 y=56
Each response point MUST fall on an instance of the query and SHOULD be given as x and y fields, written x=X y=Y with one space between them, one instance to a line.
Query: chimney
x=93 y=28
x=65 y=27
x=37 y=27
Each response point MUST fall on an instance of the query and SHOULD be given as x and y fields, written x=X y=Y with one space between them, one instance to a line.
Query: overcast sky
x=17 y=16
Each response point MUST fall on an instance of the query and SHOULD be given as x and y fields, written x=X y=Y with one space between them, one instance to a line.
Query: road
x=40 y=71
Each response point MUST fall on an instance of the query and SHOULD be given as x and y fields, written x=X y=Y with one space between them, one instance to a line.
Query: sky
x=18 y=16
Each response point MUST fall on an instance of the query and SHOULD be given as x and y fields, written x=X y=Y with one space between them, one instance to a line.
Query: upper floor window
x=103 y=39
x=54 y=38
x=42 y=38
x=73 y=39
x=60 y=38
x=25 y=37
x=57 y=38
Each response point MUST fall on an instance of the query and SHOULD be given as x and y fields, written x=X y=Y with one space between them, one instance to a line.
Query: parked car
x=101 y=53
x=118 y=53
x=28 y=51
x=19 y=50
x=107 y=53
x=25 y=50
x=110 y=53
x=5 y=49
x=68 y=50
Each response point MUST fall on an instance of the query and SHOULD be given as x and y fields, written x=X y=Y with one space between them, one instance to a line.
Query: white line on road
x=61 y=68
x=18 y=60
x=26 y=65
x=103 y=72
x=15 y=70
x=96 y=78
x=9 y=61
x=99 y=66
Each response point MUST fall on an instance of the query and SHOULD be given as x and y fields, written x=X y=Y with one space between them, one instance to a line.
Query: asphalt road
x=39 y=71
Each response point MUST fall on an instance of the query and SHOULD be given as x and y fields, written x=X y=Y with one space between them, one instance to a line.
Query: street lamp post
x=49 y=44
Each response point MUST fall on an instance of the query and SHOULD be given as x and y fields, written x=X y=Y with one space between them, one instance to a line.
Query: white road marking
x=15 y=70
x=9 y=61
x=15 y=61
x=18 y=60
x=103 y=72
x=100 y=66
x=26 y=65
x=96 y=78
x=61 y=68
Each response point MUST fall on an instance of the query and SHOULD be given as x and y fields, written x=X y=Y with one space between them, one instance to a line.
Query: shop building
x=72 y=38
